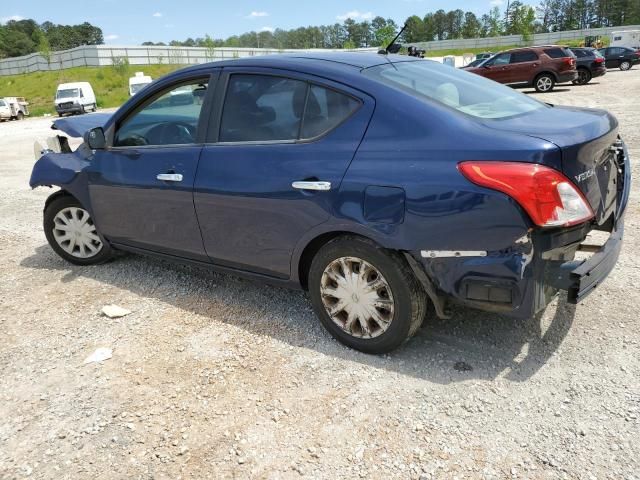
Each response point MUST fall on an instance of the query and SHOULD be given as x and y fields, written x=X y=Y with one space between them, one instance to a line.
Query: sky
x=126 y=22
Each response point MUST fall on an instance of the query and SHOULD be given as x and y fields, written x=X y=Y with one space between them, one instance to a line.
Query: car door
x=498 y=68
x=141 y=185
x=279 y=146
x=613 y=57
x=523 y=67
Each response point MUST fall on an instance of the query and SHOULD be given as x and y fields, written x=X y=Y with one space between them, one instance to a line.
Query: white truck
x=138 y=82
x=626 y=38
x=75 y=97
x=13 y=108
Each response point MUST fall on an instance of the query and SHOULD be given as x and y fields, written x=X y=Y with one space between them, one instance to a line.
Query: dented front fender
x=59 y=168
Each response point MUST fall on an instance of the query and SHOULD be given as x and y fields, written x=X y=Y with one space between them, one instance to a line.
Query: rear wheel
x=625 y=65
x=72 y=234
x=544 y=83
x=584 y=77
x=366 y=297
x=20 y=116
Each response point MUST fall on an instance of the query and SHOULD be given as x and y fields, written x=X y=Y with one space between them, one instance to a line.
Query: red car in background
x=538 y=67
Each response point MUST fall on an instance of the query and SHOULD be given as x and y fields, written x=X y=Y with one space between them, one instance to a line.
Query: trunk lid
x=587 y=139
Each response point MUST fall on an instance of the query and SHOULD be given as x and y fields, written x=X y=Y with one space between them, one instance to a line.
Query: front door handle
x=169 y=177
x=321 y=186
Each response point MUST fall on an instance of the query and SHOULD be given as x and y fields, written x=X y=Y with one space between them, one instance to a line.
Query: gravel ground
x=217 y=377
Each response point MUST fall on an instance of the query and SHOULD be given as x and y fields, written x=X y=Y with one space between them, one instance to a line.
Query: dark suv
x=620 y=57
x=537 y=67
x=590 y=64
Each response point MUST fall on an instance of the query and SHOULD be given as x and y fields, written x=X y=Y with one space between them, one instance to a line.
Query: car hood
x=76 y=126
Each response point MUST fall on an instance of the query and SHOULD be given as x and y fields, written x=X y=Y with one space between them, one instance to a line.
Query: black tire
x=409 y=299
x=625 y=65
x=584 y=76
x=544 y=83
x=53 y=208
x=20 y=116
x=59 y=114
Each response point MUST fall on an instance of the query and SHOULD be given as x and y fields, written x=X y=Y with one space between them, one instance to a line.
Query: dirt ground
x=217 y=377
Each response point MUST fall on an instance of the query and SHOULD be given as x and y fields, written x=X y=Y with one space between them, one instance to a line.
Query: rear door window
x=325 y=109
x=266 y=108
x=524 y=56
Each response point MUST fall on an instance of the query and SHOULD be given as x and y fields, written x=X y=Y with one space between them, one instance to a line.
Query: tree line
x=517 y=19
x=26 y=36
x=22 y=37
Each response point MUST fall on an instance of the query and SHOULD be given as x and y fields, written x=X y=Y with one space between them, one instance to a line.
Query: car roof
x=294 y=61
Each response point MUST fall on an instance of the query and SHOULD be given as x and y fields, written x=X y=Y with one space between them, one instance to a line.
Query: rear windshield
x=466 y=92
x=67 y=93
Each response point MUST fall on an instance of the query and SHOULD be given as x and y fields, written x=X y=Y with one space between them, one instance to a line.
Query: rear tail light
x=548 y=197
x=569 y=61
x=599 y=60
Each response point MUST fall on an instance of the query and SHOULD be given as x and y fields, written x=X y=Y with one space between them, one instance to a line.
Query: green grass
x=110 y=86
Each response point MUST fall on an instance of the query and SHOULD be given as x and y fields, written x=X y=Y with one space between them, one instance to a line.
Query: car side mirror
x=94 y=138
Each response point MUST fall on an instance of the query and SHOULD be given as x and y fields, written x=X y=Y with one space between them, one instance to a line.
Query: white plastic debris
x=114 y=311
x=100 y=355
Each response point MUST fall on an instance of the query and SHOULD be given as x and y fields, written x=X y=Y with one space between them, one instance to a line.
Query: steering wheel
x=171 y=133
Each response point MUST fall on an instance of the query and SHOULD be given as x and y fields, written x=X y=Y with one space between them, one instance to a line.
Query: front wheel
x=365 y=296
x=72 y=234
x=544 y=83
x=625 y=65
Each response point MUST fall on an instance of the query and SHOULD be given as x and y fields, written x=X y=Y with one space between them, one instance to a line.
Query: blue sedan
x=379 y=183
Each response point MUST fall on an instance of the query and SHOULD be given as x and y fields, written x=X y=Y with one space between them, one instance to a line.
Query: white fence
x=104 y=55
x=495 y=43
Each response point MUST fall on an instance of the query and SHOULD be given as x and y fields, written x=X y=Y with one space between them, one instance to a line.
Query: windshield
x=466 y=92
x=136 y=87
x=2 y=104
x=68 y=93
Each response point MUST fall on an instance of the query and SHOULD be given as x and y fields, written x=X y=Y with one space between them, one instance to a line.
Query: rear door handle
x=321 y=186
x=169 y=177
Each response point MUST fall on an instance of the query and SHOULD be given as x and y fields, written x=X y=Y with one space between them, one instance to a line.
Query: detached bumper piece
x=580 y=279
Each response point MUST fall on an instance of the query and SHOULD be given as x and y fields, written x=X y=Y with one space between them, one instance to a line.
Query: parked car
x=590 y=64
x=75 y=97
x=13 y=108
x=378 y=183
x=620 y=57
x=537 y=67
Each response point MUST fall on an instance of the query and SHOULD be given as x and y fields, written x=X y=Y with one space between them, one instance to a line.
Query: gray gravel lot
x=217 y=377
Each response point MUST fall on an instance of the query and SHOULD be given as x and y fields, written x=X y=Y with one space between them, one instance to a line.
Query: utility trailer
x=13 y=108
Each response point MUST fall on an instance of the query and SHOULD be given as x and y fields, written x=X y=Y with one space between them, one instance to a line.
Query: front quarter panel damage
x=65 y=170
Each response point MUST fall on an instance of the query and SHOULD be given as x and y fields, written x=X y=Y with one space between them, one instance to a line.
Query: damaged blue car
x=379 y=183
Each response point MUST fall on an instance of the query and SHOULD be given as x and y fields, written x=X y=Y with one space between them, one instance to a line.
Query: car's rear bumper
x=598 y=72
x=567 y=77
x=521 y=280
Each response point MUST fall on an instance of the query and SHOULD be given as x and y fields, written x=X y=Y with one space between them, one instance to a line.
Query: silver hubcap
x=625 y=66
x=75 y=232
x=544 y=84
x=357 y=297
